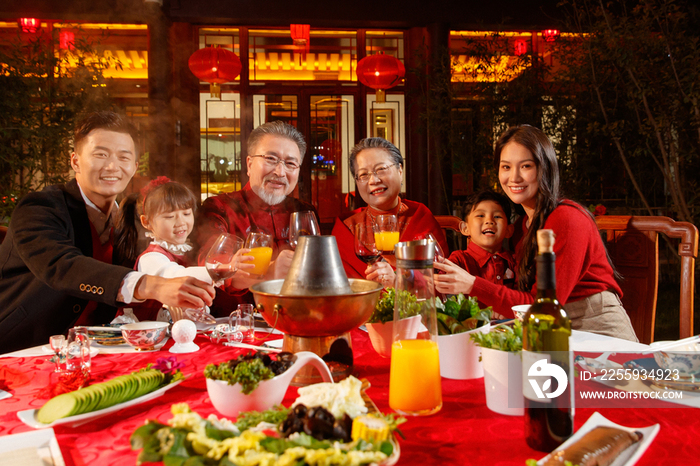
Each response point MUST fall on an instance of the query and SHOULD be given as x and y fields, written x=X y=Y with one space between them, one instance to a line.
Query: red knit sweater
x=582 y=267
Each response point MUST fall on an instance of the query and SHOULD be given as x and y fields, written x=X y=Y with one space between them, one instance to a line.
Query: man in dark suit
x=56 y=261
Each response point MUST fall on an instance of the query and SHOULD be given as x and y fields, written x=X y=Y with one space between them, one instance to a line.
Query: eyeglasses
x=379 y=172
x=272 y=161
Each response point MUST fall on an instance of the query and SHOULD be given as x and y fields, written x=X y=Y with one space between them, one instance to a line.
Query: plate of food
x=31 y=448
x=327 y=420
x=107 y=336
x=97 y=400
x=600 y=438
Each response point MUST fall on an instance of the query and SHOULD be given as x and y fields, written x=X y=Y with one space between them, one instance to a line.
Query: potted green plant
x=501 y=359
x=381 y=325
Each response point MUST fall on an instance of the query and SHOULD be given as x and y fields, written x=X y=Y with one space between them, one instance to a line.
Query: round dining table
x=463 y=432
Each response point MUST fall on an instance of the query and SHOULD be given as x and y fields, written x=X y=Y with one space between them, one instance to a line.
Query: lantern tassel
x=381 y=96
x=215 y=90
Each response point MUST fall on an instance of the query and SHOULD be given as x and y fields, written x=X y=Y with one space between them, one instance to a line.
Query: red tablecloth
x=465 y=431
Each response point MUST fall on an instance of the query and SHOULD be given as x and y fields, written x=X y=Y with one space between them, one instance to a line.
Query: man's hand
x=455 y=280
x=280 y=267
x=185 y=292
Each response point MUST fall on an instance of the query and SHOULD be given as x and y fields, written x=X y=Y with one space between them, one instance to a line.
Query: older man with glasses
x=377 y=166
x=275 y=152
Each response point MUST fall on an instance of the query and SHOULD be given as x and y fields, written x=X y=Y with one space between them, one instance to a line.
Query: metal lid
x=316 y=269
x=419 y=250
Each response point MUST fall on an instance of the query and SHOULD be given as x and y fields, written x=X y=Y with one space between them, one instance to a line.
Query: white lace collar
x=178 y=249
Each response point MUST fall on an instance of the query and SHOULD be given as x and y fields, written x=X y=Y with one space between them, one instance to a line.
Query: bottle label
x=547 y=376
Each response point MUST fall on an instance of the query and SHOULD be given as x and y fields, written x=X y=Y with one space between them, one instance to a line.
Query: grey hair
x=277 y=128
x=374 y=143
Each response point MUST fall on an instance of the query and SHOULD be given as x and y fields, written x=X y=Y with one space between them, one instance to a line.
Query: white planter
x=503 y=377
x=459 y=355
x=382 y=335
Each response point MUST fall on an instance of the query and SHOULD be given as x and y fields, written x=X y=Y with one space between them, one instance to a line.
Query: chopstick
x=247 y=346
x=673 y=344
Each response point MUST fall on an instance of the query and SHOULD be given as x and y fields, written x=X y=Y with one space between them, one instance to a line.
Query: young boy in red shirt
x=487 y=225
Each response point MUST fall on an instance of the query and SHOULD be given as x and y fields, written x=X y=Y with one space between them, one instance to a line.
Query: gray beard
x=269 y=199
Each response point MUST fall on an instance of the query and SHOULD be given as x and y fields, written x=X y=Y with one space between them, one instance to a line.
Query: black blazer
x=47 y=273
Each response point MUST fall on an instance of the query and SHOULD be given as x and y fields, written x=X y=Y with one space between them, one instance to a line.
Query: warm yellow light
x=213 y=68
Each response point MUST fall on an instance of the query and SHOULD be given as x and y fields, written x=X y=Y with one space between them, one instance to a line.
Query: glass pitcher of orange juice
x=414 y=385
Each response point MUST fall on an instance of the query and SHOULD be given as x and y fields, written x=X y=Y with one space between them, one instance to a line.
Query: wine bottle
x=547 y=362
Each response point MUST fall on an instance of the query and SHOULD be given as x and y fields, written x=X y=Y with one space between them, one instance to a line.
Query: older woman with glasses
x=377 y=166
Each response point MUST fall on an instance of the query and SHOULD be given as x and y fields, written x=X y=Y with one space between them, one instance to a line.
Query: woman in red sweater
x=529 y=174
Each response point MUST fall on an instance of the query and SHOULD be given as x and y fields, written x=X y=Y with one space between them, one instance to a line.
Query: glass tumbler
x=78 y=350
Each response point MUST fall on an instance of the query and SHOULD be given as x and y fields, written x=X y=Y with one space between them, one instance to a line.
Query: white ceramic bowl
x=686 y=359
x=520 y=310
x=460 y=356
x=230 y=400
x=144 y=336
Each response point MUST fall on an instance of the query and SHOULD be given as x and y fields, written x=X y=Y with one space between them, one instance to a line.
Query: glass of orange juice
x=414 y=383
x=386 y=232
x=260 y=245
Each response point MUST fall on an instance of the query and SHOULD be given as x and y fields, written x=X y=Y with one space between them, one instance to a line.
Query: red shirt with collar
x=489 y=266
x=239 y=213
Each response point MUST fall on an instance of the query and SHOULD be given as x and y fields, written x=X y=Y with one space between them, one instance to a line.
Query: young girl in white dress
x=168 y=210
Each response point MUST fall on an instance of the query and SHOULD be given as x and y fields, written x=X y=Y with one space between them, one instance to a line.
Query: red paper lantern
x=380 y=72
x=29 y=25
x=66 y=40
x=300 y=33
x=215 y=66
x=520 y=47
x=550 y=35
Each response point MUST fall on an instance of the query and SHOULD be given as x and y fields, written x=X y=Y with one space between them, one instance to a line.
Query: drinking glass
x=245 y=321
x=57 y=344
x=365 y=246
x=386 y=233
x=260 y=246
x=78 y=350
x=302 y=224
x=439 y=254
x=219 y=257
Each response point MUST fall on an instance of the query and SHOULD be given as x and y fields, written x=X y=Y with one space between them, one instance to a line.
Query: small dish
x=29 y=416
x=627 y=457
x=596 y=368
x=43 y=442
x=684 y=358
x=689 y=384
